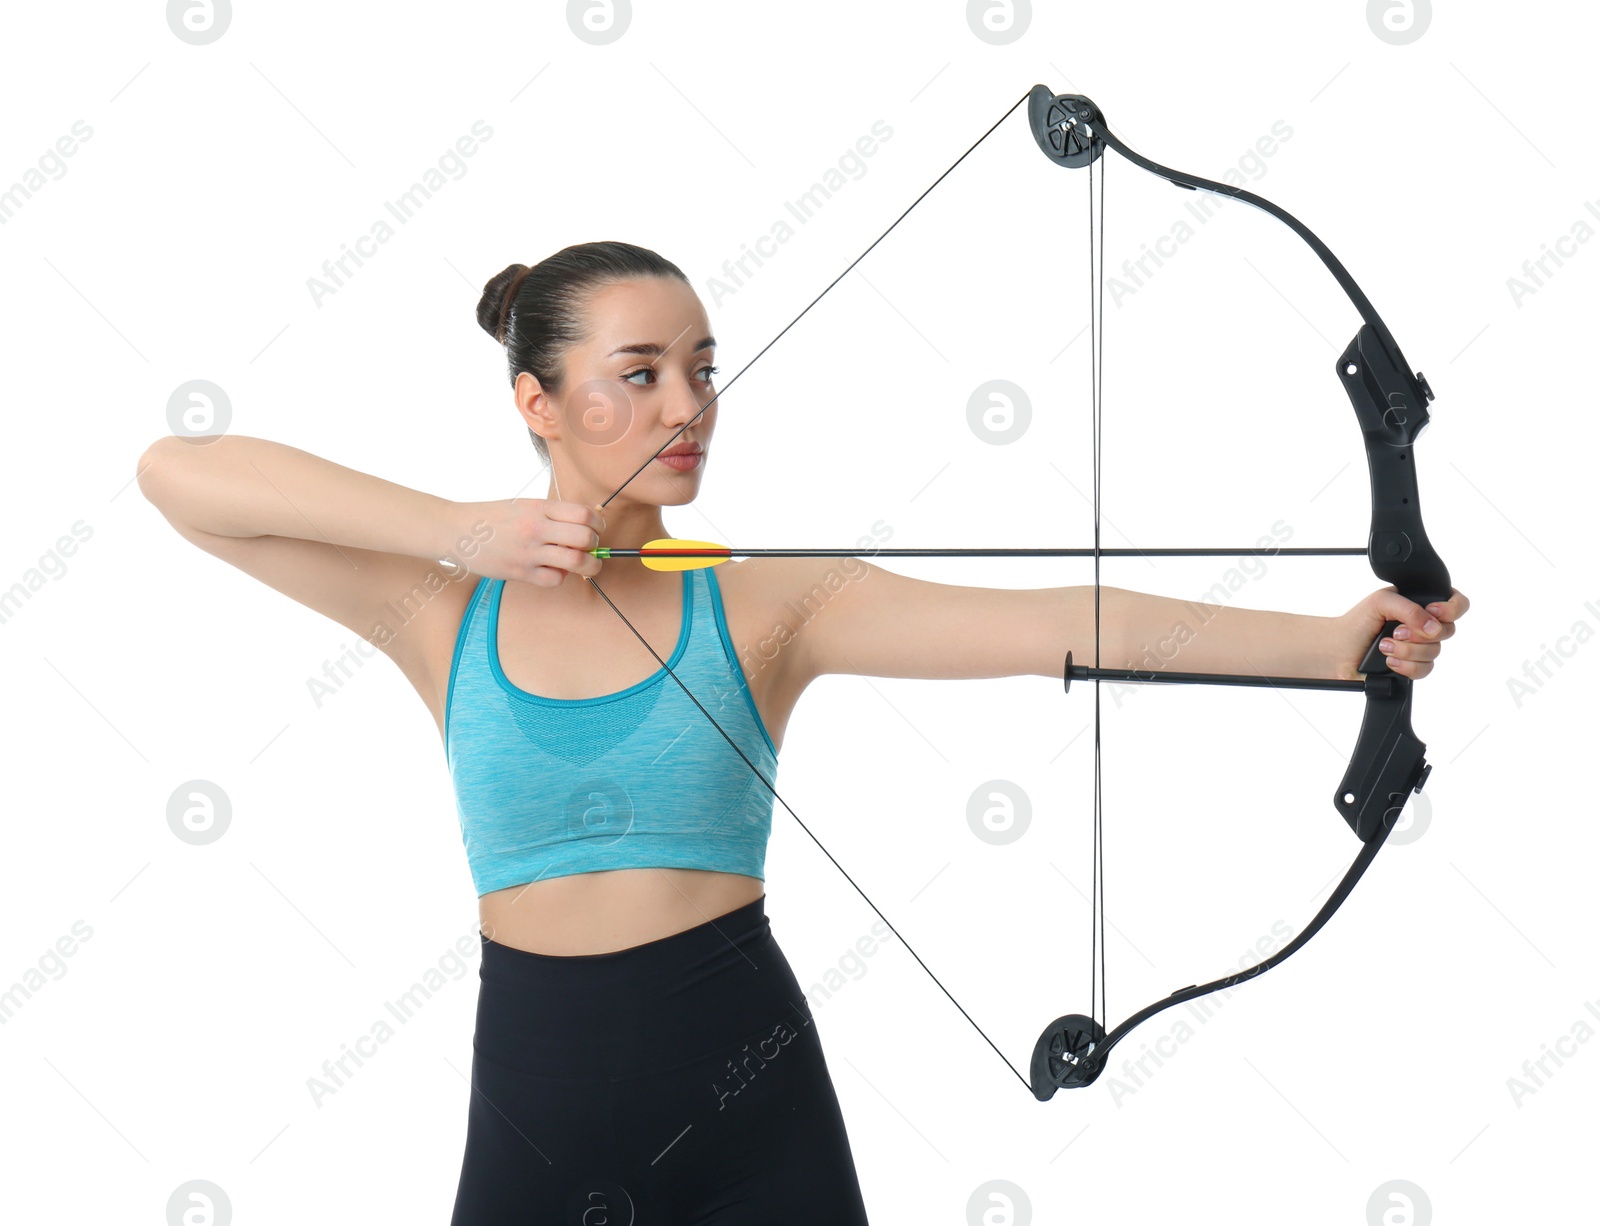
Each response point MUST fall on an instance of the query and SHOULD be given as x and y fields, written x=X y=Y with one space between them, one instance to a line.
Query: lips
x=681 y=457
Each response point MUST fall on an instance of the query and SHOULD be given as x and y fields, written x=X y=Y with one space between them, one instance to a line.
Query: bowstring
x=1100 y=401
x=765 y=782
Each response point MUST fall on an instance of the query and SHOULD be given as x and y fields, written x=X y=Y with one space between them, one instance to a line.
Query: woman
x=642 y=1048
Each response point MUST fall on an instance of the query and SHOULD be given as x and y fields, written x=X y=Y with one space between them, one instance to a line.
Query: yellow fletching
x=701 y=555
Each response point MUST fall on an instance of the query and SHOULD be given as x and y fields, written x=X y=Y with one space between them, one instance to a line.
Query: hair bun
x=494 y=308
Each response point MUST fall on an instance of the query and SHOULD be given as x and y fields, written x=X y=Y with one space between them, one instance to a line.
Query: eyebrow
x=650 y=349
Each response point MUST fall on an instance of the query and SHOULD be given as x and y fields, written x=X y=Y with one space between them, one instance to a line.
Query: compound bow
x=1388 y=762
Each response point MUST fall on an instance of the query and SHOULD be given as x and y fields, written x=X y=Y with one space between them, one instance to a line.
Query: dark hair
x=537 y=312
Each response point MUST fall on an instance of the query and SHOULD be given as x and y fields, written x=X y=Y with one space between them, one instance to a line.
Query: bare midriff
x=594 y=913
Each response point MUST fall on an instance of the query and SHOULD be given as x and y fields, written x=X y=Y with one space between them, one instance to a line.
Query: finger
x=1440 y=633
x=1413 y=652
x=1408 y=668
x=576 y=513
x=573 y=561
x=573 y=536
x=1415 y=621
x=1415 y=670
x=1452 y=609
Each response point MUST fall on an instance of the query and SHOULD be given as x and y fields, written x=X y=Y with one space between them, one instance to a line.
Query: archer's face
x=643 y=372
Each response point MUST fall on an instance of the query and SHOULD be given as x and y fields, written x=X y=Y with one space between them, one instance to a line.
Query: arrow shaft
x=606 y=553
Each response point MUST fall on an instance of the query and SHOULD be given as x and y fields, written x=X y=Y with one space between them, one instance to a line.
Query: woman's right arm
x=352 y=546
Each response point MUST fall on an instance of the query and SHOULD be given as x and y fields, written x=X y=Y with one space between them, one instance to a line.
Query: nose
x=682 y=404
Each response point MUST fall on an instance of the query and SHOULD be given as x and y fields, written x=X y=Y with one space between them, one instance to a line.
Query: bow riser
x=1390 y=403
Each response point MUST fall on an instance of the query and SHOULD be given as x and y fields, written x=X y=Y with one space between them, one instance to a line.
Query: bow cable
x=656 y=655
x=812 y=303
x=1097 y=336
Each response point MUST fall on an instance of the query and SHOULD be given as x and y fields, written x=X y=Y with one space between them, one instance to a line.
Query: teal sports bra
x=547 y=787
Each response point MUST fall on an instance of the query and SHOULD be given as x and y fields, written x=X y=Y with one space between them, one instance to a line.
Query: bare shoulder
x=773 y=584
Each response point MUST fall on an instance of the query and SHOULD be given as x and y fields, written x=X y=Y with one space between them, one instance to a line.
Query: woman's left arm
x=881 y=624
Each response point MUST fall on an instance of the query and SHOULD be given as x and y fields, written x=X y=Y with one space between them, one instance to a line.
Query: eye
x=705 y=374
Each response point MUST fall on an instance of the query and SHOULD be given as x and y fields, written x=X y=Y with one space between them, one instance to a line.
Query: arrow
x=676 y=555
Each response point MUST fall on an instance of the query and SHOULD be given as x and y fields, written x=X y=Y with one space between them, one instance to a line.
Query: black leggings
x=680 y=1081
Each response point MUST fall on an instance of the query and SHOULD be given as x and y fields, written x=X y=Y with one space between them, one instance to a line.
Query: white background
x=179 y=242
